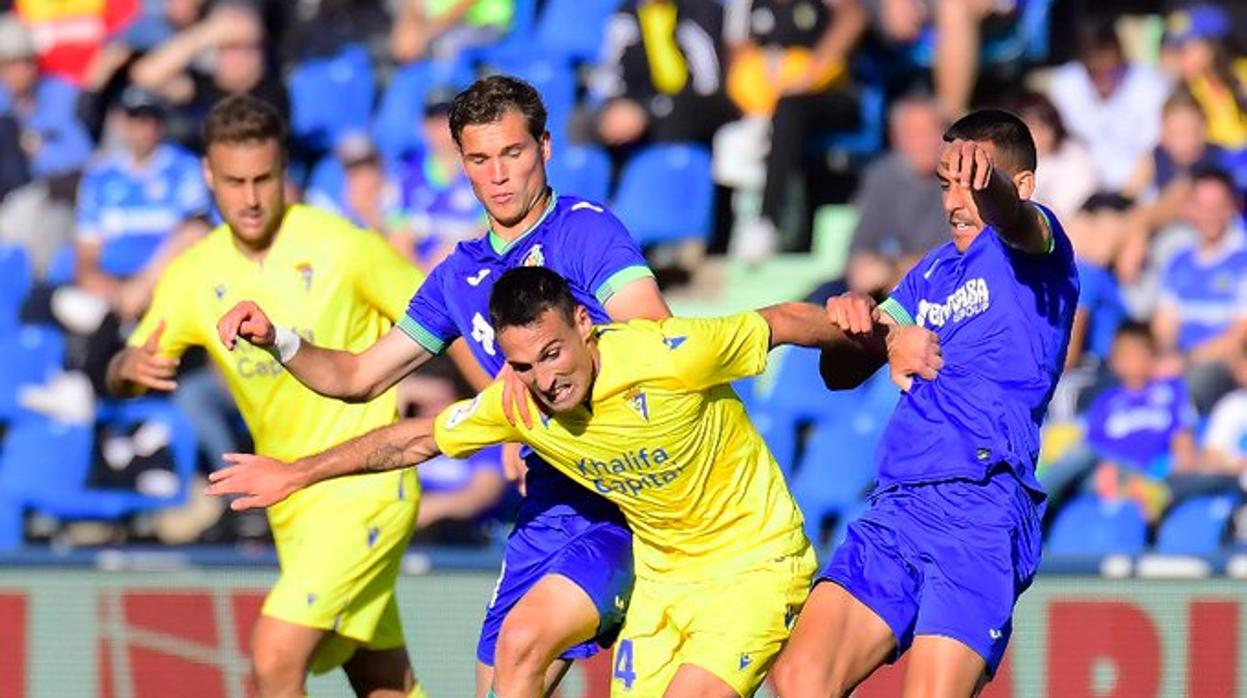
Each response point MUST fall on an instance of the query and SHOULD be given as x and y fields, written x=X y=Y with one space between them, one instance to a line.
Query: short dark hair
x=488 y=99
x=243 y=119
x=1003 y=129
x=1039 y=106
x=1212 y=173
x=1107 y=201
x=523 y=294
x=1137 y=330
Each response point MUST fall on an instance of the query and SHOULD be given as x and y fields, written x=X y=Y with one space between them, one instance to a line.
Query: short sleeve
x=170 y=307
x=471 y=425
x=609 y=259
x=383 y=278
x=427 y=320
x=902 y=305
x=706 y=352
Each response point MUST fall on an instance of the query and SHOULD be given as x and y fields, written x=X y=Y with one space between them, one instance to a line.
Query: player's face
x=247 y=181
x=1132 y=360
x=553 y=357
x=506 y=165
x=142 y=133
x=1211 y=209
x=964 y=221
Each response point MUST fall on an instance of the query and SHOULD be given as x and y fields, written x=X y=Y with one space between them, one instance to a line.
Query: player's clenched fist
x=854 y=313
x=968 y=163
x=248 y=321
x=913 y=351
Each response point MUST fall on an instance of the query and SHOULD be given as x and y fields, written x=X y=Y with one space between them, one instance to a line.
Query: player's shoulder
x=575 y=213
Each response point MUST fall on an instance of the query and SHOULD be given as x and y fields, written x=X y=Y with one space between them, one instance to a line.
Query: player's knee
x=805 y=679
x=277 y=671
x=522 y=647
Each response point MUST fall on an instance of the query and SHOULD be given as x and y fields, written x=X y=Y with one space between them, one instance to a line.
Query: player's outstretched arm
x=263 y=481
x=331 y=372
x=1016 y=220
x=908 y=350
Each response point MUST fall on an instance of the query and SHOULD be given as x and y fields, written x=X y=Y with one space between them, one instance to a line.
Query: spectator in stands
x=790 y=61
x=1096 y=231
x=1109 y=104
x=1066 y=174
x=222 y=55
x=661 y=75
x=437 y=208
x=366 y=194
x=900 y=214
x=1137 y=432
x=137 y=209
x=456 y=497
x=42 y=147
x=1225 y=439
x=442 y=29
x=1196 y=37
x=1202 y=311
x=72 y=33
x=957 y=27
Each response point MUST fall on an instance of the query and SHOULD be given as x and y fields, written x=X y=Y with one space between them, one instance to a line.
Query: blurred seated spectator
x=899 y=202
x=957 y=27
x=661 y=75
x=1067 y=173
x=442 y=29
x=137 y=209
x=457 y=497
x=1202 y=311
x=1225 y=439
x=1137 y=432
x=437 y=208
x=1100 y=222
x=365 y=194
x=42 y=148
x=70 y=34
x=322 y=28
x=1111 y=105
x=790 y=62
x=1196 y=40
x=222 y=55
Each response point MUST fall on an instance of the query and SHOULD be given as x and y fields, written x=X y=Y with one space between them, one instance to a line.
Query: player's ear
x=207 y=171
x=1025 y=183
x=584 y=323
x=545 y=146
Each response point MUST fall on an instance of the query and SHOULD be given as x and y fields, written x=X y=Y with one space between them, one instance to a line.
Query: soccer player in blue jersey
x=567 y=572
x=952 y=534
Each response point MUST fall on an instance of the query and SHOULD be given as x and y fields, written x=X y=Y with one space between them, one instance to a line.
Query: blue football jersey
x=1003 y=318
x=131 y=209
x=582 y=241
x=1208 y=292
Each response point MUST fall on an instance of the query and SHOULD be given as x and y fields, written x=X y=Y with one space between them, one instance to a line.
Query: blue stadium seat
x=1196 y=526
x=837 y=466
x=16 y=277
x=30 y=355
x=582 y=170
x=45 y=463
x=330 y=96
x=666 y=194
x=1089 y=526
x=554 y=78
x=396 y=126
x=868 y=138
x=1027 y=39
x=574 y=28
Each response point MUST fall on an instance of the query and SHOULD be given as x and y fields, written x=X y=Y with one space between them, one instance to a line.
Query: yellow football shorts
x=732 y=625
x=340 y=544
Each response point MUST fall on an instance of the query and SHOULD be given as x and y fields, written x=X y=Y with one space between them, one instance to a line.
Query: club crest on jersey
x=534 y=258
x=305 y=272
x=637 y=401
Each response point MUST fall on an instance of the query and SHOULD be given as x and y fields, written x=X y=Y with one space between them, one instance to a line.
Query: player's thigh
x=644 y=659
x=942 y=667
x=838 y=641
x=692 y=681
x=555 y=614
x=280 y=648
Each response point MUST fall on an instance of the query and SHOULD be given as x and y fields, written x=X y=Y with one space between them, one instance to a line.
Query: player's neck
x=510 y=233
x=257 y=250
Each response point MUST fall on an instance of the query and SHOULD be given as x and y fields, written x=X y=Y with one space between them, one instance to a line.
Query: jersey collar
x=501 y=247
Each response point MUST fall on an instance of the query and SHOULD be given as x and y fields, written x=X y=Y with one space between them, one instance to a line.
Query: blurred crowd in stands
x=717 y=129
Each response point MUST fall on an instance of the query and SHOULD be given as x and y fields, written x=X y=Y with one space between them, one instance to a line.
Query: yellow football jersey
x=667 y=440
x=331 y=282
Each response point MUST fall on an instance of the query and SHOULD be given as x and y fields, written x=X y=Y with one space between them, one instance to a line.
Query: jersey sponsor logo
x=631 y=473
x=462 y=412
x=305 y=273
x=673 y=343
x=478 y=277
x=483 y=334
x=534 y=258
x=585 y=204
x=973 y=298
x=637 y=401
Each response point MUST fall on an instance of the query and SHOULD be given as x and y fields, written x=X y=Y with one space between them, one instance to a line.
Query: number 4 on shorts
x=623 y=663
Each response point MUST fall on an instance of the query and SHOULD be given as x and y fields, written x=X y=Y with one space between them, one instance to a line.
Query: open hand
x=913 y=351
x=143 y=366
x=261 y=481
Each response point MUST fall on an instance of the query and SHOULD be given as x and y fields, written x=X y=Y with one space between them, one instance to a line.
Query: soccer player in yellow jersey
x=339 y=544
x=641 y=413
